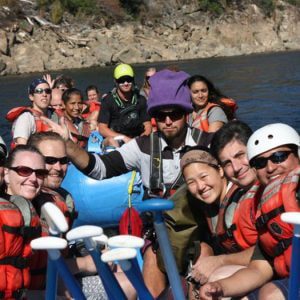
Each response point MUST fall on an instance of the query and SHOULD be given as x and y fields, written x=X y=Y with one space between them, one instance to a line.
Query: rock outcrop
x=183 y=32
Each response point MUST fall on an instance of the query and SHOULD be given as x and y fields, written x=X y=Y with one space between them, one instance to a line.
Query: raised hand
x=50 y=81
x=60 y=128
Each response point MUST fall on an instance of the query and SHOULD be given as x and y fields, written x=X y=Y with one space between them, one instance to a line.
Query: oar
x=157 y=206
x=57 y=224
x=53 y=245
x=87 y=233
x=294 y=281
x=126 y=258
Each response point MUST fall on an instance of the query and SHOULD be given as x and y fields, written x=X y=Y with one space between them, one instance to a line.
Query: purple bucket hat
x=169 y=88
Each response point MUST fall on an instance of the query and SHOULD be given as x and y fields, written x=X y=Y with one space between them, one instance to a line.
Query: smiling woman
x=73 y=103
x=24 y=174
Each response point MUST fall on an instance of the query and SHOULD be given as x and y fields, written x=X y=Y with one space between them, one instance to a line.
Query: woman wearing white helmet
x=273 y=151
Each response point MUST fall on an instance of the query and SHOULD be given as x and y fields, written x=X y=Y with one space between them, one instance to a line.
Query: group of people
x=181 y=134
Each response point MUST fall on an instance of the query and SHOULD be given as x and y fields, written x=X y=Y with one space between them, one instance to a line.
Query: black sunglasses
x=276 y=158
x=50 y=160
x=41 y=91
x=174 y=115
x=124 y=79
x=26 y=171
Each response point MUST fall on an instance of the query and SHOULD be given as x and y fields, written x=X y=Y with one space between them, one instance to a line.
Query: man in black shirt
x=123 y=110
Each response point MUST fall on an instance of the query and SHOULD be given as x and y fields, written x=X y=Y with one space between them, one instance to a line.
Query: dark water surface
x=266 y=87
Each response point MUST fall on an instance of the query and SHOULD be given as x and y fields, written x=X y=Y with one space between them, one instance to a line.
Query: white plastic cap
x=270 y=137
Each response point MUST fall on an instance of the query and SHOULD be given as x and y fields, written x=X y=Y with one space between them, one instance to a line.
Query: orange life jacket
x=235 y=227
x=38 y=262
x=275 y=236
x=41 y=126
x=19 y=224
x=201 y=120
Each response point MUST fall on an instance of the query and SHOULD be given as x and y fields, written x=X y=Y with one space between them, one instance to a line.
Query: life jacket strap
x=16 y=261
x=27 y=232
x=265 y=218
x=228 y=233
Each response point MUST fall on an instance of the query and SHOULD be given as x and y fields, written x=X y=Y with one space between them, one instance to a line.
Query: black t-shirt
x=125 y=117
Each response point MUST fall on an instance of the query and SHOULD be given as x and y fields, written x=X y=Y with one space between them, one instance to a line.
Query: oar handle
x=55 y=218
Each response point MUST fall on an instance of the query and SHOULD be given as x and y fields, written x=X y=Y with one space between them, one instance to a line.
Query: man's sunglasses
x=26 y=171
x=50 y=160
x=173 y=115
x=276 y=158
x=41 y=91
x=124 y=79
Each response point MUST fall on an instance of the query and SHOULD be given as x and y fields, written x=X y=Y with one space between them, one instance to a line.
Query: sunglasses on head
x=26 y=171
x=174 y=115
x=50 y=160
x=41 y=91
x=276 y=158
x=124 y=79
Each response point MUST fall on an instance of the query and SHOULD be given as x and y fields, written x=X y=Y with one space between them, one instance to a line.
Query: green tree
x=56 y=12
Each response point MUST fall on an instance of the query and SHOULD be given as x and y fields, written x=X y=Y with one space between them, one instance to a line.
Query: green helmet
x=123 y=70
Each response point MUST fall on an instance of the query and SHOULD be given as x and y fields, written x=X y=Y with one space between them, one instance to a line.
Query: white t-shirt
x=24 y=126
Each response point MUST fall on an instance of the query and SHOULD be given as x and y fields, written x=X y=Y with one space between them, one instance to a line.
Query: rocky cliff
x=179 y=31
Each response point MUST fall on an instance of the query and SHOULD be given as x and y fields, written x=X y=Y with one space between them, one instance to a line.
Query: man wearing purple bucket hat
x=169 y=103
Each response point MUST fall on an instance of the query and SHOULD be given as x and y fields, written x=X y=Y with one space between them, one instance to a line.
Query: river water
x=266 y=87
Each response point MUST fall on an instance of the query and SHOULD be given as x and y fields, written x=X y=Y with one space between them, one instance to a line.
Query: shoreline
x=194 y=36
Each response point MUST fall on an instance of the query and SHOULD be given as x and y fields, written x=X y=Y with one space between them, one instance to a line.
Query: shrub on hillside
x=213 y=6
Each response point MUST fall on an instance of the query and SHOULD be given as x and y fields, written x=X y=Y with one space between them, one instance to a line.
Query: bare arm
x=20 y=141
x=105 y=131
x=205 y=266
x=79 y=157
x=215 y=126
x=240 y=283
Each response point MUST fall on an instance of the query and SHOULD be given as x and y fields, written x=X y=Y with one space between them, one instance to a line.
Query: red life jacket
x=235 y=230
x=275 y=236
x=41 y=126
x=201 y=120
x=38 y=262
x=19 y=224
x=91 y=107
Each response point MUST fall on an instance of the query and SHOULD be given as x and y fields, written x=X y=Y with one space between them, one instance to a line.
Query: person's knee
x=270 y=291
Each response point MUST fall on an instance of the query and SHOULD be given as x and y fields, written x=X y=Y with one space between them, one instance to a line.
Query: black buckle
x=282 y=246
x=261 y=221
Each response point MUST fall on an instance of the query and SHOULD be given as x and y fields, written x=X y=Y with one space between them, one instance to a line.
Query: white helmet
x=272 y=136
